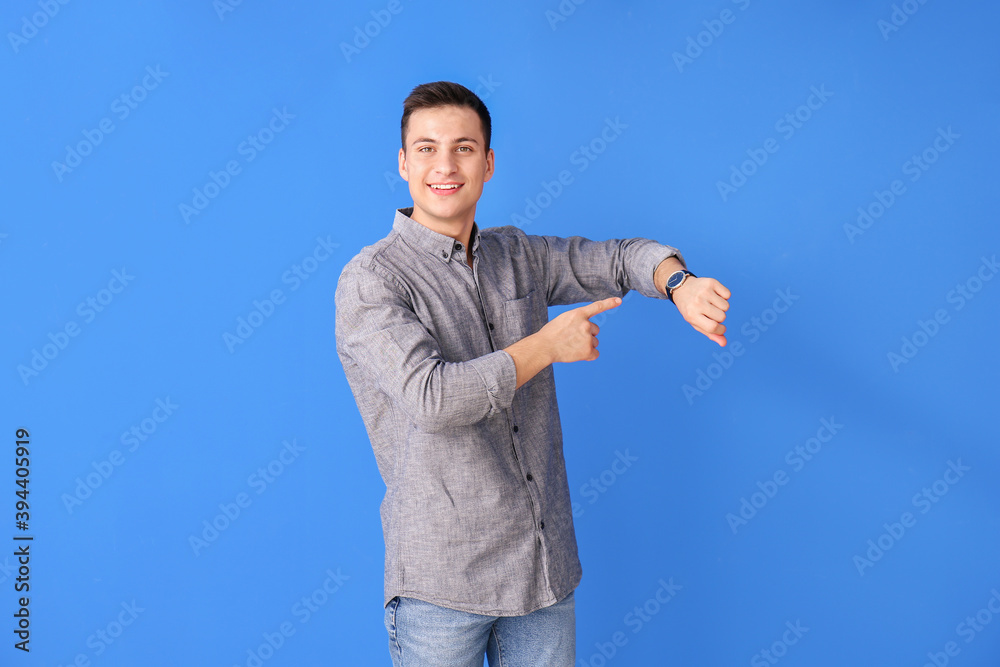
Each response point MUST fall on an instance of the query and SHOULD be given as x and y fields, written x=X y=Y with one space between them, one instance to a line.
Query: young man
x=443 y=331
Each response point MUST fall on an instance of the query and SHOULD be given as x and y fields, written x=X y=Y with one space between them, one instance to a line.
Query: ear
x=402 y=165
x=489 y=166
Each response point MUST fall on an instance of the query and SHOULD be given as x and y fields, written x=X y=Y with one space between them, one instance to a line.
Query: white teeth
x=445 y=187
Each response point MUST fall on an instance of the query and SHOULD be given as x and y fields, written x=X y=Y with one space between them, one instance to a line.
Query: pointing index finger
x=600 y=306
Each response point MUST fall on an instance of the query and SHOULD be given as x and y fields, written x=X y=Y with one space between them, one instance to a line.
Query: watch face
x=675 y=279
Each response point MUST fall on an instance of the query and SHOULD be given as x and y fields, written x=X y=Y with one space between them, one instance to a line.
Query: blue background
x=705 y=432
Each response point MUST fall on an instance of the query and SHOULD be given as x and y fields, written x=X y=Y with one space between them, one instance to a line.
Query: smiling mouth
x=445 y=188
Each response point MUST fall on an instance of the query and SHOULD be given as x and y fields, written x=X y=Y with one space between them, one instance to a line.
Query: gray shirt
x=476 y=515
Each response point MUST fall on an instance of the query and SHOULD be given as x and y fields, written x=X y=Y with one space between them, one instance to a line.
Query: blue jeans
x=422 y=634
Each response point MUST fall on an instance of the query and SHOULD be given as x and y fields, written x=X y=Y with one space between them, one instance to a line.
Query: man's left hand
x=703 y=302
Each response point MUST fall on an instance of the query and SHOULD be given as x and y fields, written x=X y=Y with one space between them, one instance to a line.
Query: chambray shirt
x=476 y=514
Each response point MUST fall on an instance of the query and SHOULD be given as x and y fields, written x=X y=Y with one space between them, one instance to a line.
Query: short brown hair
x=442 y=94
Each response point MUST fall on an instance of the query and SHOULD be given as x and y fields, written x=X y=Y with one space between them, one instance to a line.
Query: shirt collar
x=439 y=245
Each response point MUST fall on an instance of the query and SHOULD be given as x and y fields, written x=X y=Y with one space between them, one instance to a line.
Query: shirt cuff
x=651 y=256
x=499 y=375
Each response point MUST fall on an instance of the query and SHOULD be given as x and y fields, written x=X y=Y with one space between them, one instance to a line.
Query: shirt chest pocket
x=522 y=317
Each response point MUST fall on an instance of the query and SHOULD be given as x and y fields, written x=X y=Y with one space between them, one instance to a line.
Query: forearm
x=569 y=337
x=531 y=354
x=578 y=270
x=440 y=395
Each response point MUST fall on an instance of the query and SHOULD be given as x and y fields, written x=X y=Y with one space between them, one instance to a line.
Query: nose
x=445 y=164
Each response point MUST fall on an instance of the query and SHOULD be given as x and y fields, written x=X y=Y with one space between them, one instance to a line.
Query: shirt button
x=529 y=477
x=515 y=428
x=458 y=246
x=491 y=326
x=444 y=254
x=541 y=525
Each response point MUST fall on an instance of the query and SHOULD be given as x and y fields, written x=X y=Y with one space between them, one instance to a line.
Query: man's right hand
x=571 y=336
x=568 y=337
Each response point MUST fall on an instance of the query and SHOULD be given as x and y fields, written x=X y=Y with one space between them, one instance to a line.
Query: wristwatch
x=675 y=280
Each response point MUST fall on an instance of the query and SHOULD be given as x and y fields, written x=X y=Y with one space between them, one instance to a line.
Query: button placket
x=533 y=503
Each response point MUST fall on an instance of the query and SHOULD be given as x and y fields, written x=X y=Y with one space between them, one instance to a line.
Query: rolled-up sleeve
x=378 y=331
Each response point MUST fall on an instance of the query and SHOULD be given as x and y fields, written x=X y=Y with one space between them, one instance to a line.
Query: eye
x=464 y=149
x=424 y=149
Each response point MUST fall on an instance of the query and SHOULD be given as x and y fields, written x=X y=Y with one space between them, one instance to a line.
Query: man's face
x=445 y=164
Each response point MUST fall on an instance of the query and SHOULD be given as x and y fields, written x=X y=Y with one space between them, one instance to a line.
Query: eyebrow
x=460 y=140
